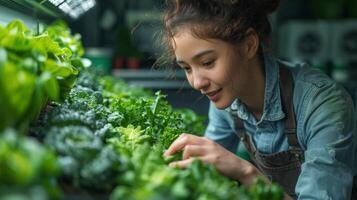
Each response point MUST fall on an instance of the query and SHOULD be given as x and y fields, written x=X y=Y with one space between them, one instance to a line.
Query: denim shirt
x=326 y=129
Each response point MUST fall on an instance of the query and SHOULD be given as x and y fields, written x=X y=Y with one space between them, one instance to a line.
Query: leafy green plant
x=134 y=131
x=108 y=137
x=26 y=166
x=34 y=69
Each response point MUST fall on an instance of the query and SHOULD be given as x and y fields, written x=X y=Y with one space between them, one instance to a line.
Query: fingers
x=182 y=163
x=187 y=162
x=193 y=151
x=182 y=141
x=190 y=153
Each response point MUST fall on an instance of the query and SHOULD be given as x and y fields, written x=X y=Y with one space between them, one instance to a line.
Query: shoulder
x=322 y=106
x=314 y=87
x=306 y=76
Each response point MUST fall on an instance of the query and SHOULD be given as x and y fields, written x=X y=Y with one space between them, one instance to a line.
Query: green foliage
x=26 y=165
x=148 y=177
x=118 y=88
x=154 y=115
x=193 y=122
x=60 y=33
x=39 y=69
x=76 y=141
x=261 y=191
x=137 y=130
x=108 y=136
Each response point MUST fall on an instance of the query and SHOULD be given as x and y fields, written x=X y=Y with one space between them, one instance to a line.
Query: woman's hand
x=210 y=152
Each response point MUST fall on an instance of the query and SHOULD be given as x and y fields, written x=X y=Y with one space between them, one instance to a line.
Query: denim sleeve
x=221 y=128
x=328 y=134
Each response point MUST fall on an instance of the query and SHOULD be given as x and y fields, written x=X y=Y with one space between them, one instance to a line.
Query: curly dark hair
x=228 y=20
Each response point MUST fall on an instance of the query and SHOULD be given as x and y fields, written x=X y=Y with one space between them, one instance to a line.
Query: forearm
x=244 y=172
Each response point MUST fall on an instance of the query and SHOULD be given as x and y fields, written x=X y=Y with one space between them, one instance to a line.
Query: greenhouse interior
x=91 y=110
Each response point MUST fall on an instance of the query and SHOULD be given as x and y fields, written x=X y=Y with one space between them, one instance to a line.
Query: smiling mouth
x=212 y=93
x=213 y=96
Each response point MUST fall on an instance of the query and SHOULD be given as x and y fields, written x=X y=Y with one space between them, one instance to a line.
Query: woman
x=298 y=125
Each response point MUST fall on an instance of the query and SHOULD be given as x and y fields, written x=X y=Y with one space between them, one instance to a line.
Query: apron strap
x=283 y=167
x=286 y=84
x=242 y=134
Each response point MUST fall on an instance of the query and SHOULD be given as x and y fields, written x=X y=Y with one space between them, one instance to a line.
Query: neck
x=254 y=95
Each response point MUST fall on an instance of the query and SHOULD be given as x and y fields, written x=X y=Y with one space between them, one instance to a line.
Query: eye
x=186 y=69
x=184 y=66
x=208 y=63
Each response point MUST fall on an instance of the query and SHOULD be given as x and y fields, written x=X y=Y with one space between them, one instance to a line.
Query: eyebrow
x=195 y=57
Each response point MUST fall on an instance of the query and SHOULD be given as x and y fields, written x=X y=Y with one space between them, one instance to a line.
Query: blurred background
x=120 y=37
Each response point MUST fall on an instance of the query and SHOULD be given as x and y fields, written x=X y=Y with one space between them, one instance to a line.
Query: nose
x=199 y=81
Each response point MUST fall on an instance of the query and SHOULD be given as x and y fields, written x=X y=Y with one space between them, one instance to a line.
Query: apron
x=283 y=167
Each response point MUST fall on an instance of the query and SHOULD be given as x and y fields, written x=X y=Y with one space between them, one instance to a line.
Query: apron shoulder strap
x=286 y=83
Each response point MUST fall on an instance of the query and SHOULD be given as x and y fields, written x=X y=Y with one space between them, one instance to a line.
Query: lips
x=213 y=96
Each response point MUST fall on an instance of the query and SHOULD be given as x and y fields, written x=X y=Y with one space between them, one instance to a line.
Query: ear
x=251 y=43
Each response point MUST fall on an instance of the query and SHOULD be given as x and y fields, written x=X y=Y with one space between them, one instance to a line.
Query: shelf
x=148 y=74
x=154 y=79
x=161 y=84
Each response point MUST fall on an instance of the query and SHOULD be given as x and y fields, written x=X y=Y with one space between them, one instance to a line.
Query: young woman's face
x=214 y=67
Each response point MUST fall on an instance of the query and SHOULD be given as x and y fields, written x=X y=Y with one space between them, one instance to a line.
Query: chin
x=221 y=105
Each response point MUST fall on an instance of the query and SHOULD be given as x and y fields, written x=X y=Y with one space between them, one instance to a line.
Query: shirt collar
x=272 y=102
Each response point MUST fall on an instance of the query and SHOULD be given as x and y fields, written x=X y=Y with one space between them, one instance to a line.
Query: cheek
x=223 y=76
x=189 y=79
x=229 y=77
